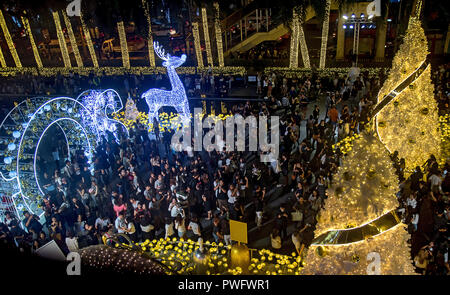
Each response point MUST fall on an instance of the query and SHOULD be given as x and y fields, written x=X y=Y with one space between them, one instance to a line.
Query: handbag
x=297 y=216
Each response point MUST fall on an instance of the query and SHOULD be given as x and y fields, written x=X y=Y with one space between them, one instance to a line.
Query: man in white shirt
x=233 y=194
x=101 y=223
x=120 y=224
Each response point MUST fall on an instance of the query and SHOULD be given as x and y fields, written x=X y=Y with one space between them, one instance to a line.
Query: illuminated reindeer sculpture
x=156 y=98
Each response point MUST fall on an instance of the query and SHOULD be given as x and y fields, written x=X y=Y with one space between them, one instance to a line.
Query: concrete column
x=340 y=39
x=380 y=40
x=240 y=26
x=257 y=22
x=245 y=26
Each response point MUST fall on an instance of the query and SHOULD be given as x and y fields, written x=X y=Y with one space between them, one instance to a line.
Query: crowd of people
x=142 y=189
x=73 y=84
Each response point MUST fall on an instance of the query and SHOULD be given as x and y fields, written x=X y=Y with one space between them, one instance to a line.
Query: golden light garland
x=327 y=72
x=61 y=40
x=123 y=45
x=109 y=71
x=37 y=57
x=218 y=36
x=324 y=40
x=409 y=124
x=87 y=36
x=293 y=56
x=206 y=34
x=9 y=41
x=363 y=190
x=73 y=40
x=151 y=53
x=198 y=47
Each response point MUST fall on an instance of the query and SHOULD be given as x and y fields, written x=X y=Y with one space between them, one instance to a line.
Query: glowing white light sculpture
x=156 y=98
x=25 y=126
x=100 y=105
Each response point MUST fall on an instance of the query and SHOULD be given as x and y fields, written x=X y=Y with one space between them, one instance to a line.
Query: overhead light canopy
x=345 y=17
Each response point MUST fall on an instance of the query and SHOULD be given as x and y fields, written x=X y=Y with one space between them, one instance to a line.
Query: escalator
x=266 y=27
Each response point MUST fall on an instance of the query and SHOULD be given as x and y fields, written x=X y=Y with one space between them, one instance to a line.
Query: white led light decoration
x=30 y=120
x=100 y=105
x=156 y=98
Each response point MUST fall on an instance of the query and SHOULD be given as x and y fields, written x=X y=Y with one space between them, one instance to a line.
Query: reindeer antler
x=160 y=51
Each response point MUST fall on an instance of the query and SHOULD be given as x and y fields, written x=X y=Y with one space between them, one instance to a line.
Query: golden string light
x=363 y=190
x=410 y=124
x=61 y=40
x=324 y=40
x=151 y=53
x=2 y=59
x=87 y=36
x=218 y=35
x=123 y=45
x=27 y=26
x=73 y=40
x=109 y=71
x=206 y=34
x=9 y=41
x=293 y=57
x=198 y=47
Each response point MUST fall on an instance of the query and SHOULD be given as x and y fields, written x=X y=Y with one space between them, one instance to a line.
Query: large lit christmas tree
x=359 y=217
x=407 y=120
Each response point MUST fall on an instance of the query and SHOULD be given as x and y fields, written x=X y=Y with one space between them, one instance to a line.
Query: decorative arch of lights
x=82 y=123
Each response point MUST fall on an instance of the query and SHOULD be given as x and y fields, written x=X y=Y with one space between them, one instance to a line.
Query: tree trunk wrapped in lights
x=123 y=45
x=151 y=54
x=73 y=40
x=407 y=113
x=2 y=59
x=61 y=40
x=87 y=36
x=359 y=220
x=324 y=40
x=37 y=57
x=206 y=34
x=10 y=42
